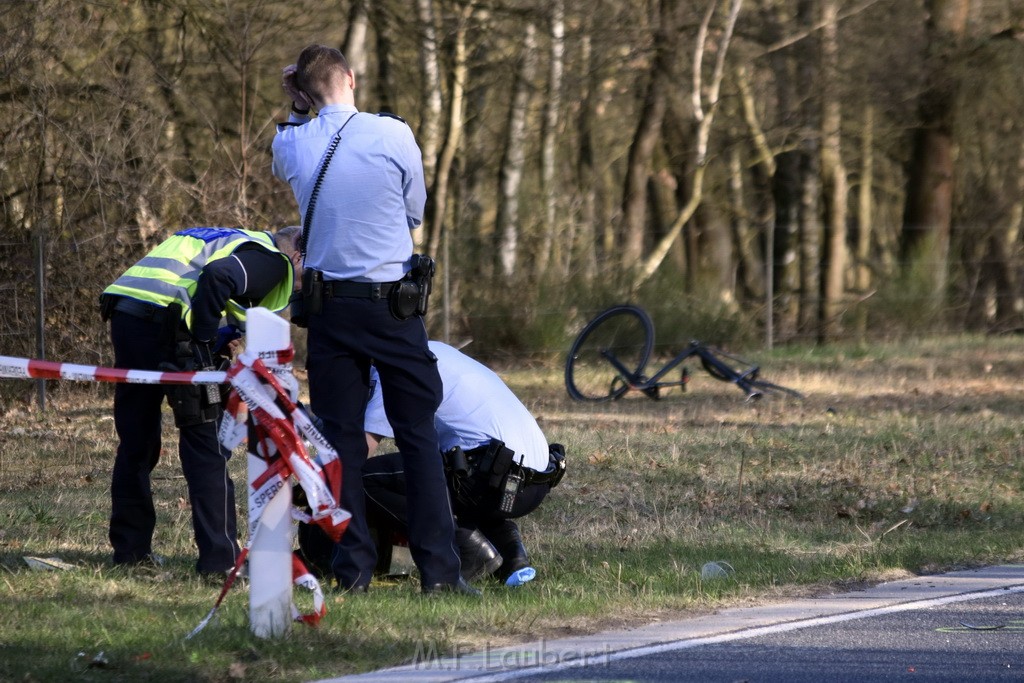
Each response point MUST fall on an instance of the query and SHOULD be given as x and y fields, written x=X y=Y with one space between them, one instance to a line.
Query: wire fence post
x=40 y=314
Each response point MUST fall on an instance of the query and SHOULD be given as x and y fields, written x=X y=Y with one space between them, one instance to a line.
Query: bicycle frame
x=609 y=356
x=641 y=383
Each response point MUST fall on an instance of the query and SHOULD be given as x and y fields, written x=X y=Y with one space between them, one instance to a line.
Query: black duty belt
x=358 y=290
x=534 y=477
x=555 y=470
x=139 y=309
x=551 y=475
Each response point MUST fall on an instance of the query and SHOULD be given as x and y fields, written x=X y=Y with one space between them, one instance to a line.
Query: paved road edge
x=505 y=663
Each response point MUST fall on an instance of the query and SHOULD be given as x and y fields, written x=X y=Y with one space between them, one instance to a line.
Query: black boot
x=460 y=587
x=515 y=568
x=477 y=554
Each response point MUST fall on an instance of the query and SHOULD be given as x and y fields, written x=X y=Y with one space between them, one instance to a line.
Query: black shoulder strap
x=324 y=162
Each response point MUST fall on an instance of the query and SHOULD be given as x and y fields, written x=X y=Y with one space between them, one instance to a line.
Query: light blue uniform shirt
x=476 y=407
x=371 y=197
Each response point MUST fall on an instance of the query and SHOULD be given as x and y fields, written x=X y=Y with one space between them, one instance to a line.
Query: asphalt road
x=930 y=644
x=961 y=626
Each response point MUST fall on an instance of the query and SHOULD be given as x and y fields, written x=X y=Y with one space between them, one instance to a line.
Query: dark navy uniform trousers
x=343 y=340
x=476 y=508
x=137 y=418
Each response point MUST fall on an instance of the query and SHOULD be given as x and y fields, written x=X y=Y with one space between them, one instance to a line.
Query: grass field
x=903 y=459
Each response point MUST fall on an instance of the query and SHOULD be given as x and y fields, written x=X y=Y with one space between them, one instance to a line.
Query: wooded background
x=752 y=171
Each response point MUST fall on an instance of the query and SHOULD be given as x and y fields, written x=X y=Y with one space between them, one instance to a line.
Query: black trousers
x=137 y=419
x=387 y=512
x=342 y=341
x=475 y=504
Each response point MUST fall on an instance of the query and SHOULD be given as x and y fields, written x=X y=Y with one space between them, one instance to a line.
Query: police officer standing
x=358 y=246
x=165 y=313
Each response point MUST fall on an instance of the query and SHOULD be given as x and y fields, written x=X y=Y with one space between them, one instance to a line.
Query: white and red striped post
x=270 y=557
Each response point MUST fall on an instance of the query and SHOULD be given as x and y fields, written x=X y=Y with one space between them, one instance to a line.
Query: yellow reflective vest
x=169 y=274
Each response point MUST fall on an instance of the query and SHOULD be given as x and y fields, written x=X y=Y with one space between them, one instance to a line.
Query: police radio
x=510 y=489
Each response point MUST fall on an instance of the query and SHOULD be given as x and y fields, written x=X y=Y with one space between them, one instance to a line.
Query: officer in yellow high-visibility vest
x=165 y=312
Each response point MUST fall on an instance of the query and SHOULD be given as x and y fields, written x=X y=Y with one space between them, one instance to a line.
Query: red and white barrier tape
x=30 y=368
x=303 y=578
x=277 y=414
x=27 y=368
x=270 y=396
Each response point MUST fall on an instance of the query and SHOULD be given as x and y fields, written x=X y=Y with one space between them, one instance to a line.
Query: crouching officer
x=500 y=467
x=165 y=313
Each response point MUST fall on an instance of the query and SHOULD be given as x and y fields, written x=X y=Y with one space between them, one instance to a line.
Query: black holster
x=309 y=300
x=192 y=404
x=496 y=469
x=410 y=295
x=457 y=471
x=495 y=463
x=455 y=463
x=492 y=477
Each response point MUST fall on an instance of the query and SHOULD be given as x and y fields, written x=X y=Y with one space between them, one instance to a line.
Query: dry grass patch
x=902 y=459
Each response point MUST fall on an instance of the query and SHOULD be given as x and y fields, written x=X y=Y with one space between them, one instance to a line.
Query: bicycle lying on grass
x=609 y=355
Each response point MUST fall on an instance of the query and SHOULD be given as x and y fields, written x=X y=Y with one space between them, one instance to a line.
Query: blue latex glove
x=225 y=336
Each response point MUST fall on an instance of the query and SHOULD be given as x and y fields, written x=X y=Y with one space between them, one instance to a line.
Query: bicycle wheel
x=623 y=332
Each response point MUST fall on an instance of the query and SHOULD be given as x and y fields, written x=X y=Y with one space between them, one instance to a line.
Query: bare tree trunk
x=648 y=132
x=865 y=211
x=383 y=84
x=781 y=245
x=472 y=223
x=1016 y=221
x=723 y=258
x=810 y=239
x=835 y=178
x=756 y=279
x=704 y=117
x=456 y=112
x=929 y=208
x=678 y=136
x=809 y=175
x=354 y=44
x=429 y=134
x=1003 y=282
x=243 y=138
x=552 y=106
x=584 y=225
x=168 y=63
x=1005 y=258
x=1013 y=231
x=765 y=154
x=749 y=269
x=514 y=158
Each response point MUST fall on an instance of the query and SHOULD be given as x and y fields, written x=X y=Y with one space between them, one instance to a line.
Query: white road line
x=730 y=624
x=743 y=634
